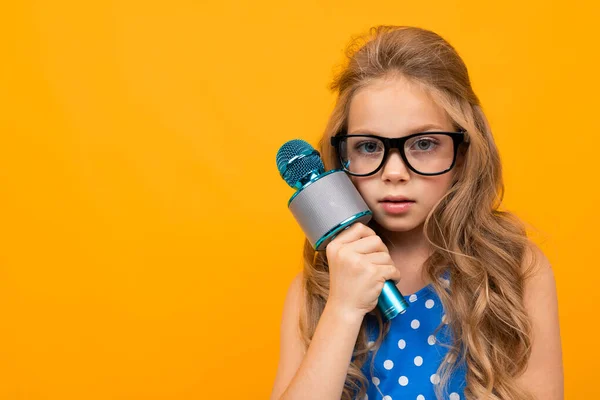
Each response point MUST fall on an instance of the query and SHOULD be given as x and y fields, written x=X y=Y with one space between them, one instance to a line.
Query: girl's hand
x=359 y=265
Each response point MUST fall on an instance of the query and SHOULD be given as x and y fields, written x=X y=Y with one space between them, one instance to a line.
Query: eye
x=424 y=144
x=369 y=147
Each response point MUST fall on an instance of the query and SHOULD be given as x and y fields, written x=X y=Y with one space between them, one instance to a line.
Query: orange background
x=146 y=245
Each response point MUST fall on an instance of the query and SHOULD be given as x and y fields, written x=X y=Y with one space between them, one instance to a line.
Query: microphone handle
x=390 y=301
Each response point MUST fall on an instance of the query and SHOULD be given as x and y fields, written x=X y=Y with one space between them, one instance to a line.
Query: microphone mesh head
x=300 y=167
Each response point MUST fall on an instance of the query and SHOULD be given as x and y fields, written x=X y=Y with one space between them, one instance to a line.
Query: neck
x=408 y=250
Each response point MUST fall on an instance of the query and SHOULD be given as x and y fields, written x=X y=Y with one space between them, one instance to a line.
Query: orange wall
x=147 y=246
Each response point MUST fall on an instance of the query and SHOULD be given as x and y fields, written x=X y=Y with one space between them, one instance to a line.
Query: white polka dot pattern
x=431 y=340
x=407 y=362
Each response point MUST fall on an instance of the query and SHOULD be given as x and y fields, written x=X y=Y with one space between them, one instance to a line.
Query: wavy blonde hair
x=481 y=247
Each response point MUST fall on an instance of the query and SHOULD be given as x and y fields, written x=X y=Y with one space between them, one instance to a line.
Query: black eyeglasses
x=425 y=153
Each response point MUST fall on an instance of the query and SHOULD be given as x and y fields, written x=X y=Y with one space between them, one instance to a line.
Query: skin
x=395 y=107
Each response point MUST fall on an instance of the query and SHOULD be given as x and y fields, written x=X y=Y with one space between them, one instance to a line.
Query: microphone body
x=325 y=204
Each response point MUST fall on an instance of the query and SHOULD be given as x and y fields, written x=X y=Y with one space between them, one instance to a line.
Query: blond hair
x=482 y=247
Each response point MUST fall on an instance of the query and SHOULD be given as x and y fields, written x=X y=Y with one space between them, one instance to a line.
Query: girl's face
x=394 y=108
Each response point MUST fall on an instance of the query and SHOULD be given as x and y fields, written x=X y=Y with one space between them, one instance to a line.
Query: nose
x=394 y=169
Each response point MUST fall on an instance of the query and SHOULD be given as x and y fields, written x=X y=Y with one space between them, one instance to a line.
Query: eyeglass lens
x=428 y=153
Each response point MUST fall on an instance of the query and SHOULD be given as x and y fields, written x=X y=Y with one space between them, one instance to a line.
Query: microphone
x=326 y=203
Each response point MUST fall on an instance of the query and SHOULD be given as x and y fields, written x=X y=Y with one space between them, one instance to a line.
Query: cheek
x=434 y=188
x=364 y=187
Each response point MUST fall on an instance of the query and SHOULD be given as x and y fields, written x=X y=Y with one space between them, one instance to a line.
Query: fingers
x=380 y=258
x=360 y=239
x=390 y=273
x=355 y=232
x=367 y=245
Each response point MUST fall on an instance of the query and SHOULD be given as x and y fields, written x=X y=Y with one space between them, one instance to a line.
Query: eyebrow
x=417 y=129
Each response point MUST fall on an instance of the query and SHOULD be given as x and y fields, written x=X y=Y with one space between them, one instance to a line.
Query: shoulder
x=540 y=294
x=294 y=295
x=544 y=374
x=535 y=265
x=291 y=346
x=290 y=320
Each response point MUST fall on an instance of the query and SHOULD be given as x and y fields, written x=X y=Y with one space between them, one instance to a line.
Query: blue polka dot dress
x=405 y=365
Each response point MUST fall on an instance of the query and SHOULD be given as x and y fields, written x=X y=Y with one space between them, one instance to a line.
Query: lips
x=396 y=207
x=396 y=199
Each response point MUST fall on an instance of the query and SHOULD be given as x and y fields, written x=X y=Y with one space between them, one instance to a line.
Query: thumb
x=393 y=274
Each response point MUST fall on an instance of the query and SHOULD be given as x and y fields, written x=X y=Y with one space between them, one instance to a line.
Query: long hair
x=481 y=247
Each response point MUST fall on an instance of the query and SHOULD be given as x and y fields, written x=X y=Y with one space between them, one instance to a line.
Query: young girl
x=482 y=321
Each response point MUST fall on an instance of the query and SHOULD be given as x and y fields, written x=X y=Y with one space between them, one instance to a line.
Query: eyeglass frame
x=398 y=143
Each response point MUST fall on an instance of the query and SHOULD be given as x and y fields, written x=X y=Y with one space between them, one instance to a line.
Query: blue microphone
x=324 y=204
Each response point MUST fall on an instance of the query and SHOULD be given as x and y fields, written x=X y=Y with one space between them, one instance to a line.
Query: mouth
x=396 y=199
x=396 y=205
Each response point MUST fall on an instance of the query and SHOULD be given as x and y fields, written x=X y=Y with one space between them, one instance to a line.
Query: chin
x=397 y=223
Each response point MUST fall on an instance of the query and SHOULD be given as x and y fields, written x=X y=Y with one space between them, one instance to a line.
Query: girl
x=482 y=322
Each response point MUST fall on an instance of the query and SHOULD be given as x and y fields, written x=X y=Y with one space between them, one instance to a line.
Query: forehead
x=394 y=106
